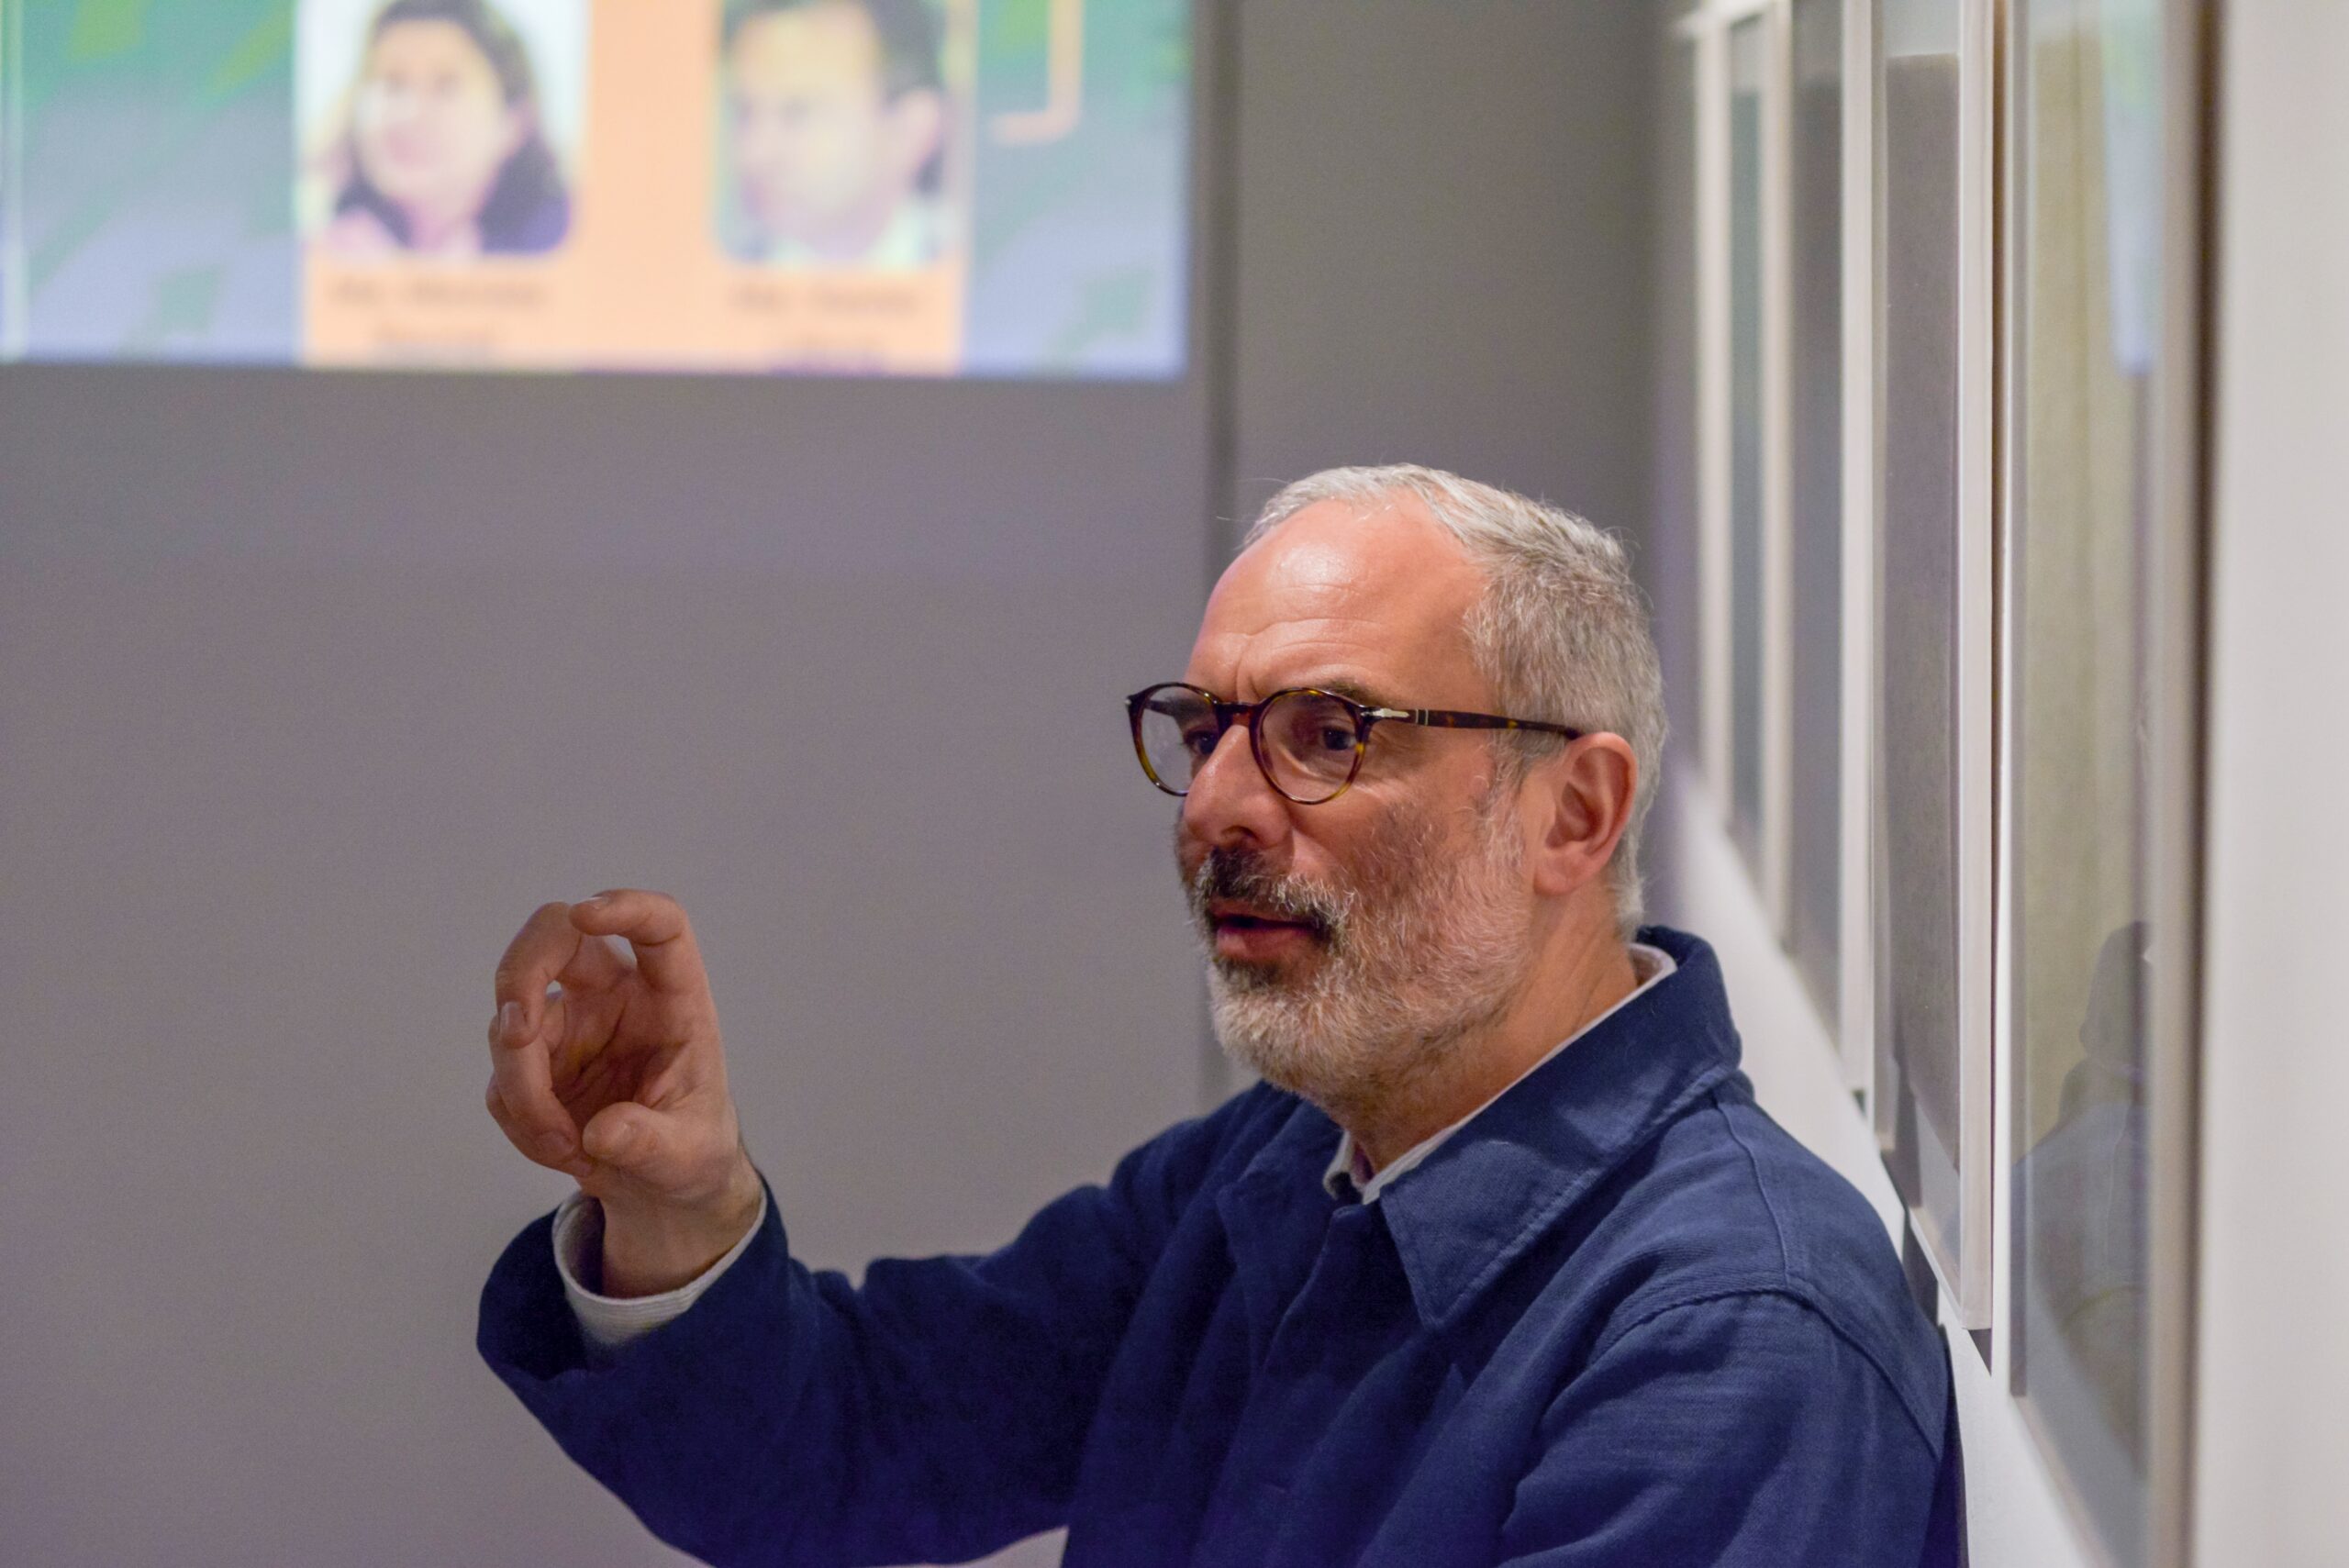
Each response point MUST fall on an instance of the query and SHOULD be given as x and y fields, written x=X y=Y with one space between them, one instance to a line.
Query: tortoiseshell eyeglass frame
x=1227 y=713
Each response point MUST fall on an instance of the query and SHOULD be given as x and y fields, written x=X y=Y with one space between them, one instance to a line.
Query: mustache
x=1244 y=877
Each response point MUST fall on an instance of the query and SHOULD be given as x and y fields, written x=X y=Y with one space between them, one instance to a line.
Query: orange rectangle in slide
x=642 y=276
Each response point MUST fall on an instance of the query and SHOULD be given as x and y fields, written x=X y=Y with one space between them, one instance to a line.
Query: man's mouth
x=1244 y=934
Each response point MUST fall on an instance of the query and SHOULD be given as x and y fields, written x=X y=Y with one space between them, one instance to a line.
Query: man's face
x=822 y=154
x=1353 y=943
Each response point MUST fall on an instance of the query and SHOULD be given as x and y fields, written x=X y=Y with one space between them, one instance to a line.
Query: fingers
x=655 y=928
x=538 y=1142
x=600 y=964
x=521 y=1094
x=547 y=944
x=634 y=1142
x=575 y=950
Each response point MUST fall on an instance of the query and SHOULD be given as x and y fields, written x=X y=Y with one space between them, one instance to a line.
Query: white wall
x=2273 y=1366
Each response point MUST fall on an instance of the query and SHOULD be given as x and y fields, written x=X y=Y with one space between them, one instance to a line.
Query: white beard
x=1424 y=950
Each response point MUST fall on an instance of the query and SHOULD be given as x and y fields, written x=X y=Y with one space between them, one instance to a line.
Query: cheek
x=1361 y=844
x=478 y=136
x=1416 y=847
x=370 y=117
x=842 y=153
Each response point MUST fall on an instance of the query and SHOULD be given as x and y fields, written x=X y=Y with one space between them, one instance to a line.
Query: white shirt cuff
x=607 y=1322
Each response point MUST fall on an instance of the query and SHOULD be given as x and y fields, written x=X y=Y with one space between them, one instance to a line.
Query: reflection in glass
x=1745 y=53
x=1817 y=411
x=2089 y=280
x=1918 y=1072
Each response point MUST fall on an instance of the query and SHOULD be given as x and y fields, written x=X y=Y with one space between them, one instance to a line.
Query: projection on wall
x=901 y=187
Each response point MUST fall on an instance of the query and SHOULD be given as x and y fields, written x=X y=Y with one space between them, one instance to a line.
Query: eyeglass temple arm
x=1449 y=719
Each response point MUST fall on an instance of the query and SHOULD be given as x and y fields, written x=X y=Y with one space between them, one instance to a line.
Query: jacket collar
x=1501 y=1182
x=1517 y=1168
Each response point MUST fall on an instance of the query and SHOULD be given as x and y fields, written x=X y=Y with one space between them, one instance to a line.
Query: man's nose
x=1231 y=804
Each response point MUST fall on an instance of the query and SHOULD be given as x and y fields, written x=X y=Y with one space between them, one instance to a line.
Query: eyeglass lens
x=1305 y=741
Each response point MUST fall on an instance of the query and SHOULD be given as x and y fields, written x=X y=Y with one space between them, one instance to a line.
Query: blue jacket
x=1620 y=1317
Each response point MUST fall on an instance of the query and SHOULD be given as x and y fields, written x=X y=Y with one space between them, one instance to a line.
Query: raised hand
x=607 y=1064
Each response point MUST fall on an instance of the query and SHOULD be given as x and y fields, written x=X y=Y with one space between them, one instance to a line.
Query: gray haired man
x=1500 y=1262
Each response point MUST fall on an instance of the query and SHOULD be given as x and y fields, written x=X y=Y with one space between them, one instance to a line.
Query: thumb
x=631 y=1140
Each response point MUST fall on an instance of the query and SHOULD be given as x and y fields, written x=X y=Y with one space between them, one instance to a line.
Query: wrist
x=652 y=1246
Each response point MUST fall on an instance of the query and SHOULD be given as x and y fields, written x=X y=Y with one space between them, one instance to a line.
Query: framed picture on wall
x=2101 y=216
x=1935 y=544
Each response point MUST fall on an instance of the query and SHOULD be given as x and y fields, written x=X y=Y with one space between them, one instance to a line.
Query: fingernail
x=553 y=1144
x=509 y=1017
x=617 y=1141
x=590 y=903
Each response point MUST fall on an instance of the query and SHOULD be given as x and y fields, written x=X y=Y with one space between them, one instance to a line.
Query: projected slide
x=903 y=187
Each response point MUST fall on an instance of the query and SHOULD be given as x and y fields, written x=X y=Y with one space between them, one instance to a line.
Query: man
x=836 y=129
x=1499 y=1263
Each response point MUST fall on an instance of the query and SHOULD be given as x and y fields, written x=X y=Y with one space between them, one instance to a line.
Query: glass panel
x=1745 y=54
x=2090 y=162
x=1816 y=809
x=1916 y=588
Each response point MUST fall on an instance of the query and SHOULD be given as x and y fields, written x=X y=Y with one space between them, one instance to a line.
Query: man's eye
x=1337 y=737
x=1199 y=741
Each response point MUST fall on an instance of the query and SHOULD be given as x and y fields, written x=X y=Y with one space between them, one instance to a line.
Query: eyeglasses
x=1309 y=742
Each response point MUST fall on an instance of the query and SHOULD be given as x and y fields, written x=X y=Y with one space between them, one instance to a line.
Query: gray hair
x=1561 y=632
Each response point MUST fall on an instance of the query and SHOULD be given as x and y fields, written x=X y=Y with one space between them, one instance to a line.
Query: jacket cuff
x=608 y=1322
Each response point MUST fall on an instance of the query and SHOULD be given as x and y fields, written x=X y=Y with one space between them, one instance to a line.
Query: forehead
x=814 y=47
x=428 y=43
x=1378 y=595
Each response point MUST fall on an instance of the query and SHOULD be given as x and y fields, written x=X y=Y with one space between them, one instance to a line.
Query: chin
x=1282 y=1033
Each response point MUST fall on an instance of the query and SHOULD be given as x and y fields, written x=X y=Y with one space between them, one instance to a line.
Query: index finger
x=654 y=925
x=540 y=951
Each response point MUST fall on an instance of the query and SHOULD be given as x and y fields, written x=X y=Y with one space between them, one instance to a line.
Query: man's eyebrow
x=1341 y=686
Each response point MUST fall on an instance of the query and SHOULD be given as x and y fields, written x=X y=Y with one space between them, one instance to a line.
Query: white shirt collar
x=1651 y=964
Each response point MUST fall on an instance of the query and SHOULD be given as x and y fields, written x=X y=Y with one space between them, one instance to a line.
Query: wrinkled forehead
x=1377 y=593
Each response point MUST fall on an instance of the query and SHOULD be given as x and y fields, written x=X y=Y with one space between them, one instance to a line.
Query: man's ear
x=1582 y=802
x=917 y=129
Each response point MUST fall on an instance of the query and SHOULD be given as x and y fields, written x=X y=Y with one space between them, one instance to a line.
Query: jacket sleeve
x=1742 y=1431
x=932 y=1414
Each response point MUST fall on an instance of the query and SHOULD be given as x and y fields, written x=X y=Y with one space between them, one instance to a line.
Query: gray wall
x=310 y=687
x=1443 y=216
x=274 y=800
